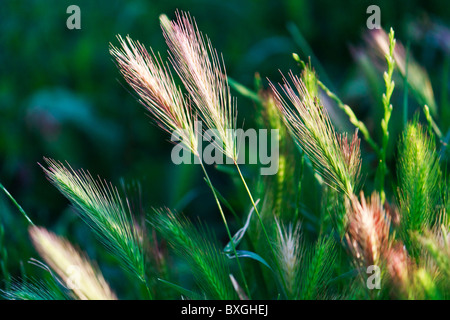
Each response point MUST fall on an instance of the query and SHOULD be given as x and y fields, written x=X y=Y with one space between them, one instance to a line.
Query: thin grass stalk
x=262 y=226
x=352 y=117
x=226 y=227
x=16 y=204
x=382 y=167
x=405 y=92
x=431 y=123
x=418 y=80
x=344 y=107
x=198 y=246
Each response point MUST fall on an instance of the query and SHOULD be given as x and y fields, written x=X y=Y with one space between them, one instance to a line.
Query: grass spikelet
x=306 y=268
x=425 y=286
x=99 y=204
x=318 y=269
x=368 y=230
x=208 y=263
x=289 y=253
x=351 y=153
x=417 y=78
x=154 y=84
x=437 y=245
x=334 y=158
x=418 y=179
x=399 y=268
x=204 y=76
x=73 y=267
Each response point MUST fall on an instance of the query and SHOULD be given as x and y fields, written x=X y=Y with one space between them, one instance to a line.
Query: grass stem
x=17 y=205
x=382 y=168
x=262 y=224
x=352 y=117
x=226 y=227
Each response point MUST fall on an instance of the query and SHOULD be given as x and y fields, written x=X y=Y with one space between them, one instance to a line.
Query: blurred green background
x=62 y=97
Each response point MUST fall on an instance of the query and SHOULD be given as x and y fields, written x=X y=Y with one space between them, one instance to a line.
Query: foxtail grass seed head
x=398 y=265
x=435 y=244
x=289 y=254
x=76 y=271
x=153 y=82
x=351 y=154
x=337 y=160
x=204 y=76
x=419 y=175
x=102 y=208
x=368 y=230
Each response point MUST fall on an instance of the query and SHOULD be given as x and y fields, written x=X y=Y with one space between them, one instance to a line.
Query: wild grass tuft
x=307 y=268
x=204 y=76
x=100 y=205
x=153 y=82
x=337 y=160
x=318 y=269
x=419 y=176
x=290 y=252
x=207 y=261
x=368 y=230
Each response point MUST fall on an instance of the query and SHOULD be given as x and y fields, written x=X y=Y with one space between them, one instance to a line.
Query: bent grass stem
x=262 y=224
x=352 y=117
x=17 y=205
x=226 y=227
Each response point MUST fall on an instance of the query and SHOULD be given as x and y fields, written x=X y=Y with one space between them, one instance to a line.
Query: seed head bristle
x=368 y=230
x=100 y=205
x=399 y=267
x=203 y=74
x=336 y=160
x=289 y=254
x=153 y=82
